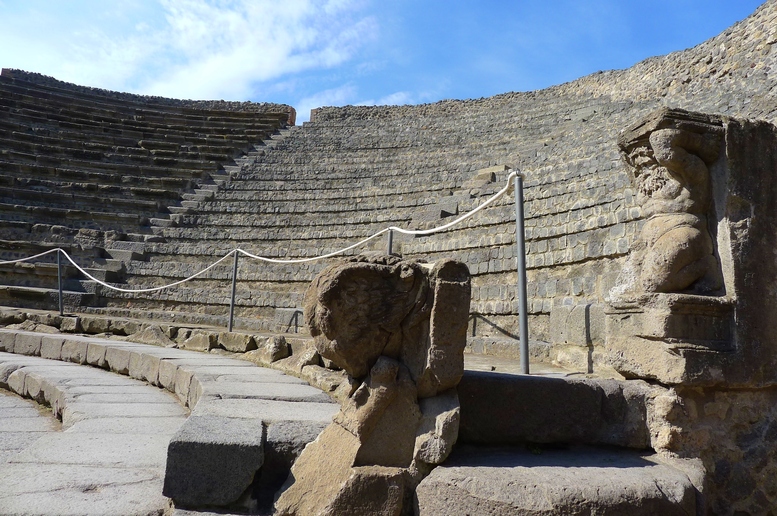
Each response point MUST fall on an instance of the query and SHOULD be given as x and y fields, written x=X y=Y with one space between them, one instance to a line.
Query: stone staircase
x=97 y=173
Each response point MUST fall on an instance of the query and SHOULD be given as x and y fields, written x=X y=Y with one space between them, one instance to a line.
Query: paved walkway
x=108 y=458
x=22 y=422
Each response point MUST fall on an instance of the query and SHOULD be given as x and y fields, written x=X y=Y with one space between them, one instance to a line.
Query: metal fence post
x=390 y=242
x=521 y=265
x=232 y=299
x=59 y=282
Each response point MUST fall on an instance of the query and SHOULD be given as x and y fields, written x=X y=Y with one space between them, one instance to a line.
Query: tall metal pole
x=390 y=242
x=521 y=264
x=59 y=281
x=232 y=299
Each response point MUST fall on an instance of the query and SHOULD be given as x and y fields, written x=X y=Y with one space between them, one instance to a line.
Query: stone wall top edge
x=220 y=105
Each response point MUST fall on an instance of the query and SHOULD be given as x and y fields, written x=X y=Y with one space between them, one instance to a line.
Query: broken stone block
x=274 y=348
x=199 y=341
x=236 y=342
x=70 y=325
x=153 y=335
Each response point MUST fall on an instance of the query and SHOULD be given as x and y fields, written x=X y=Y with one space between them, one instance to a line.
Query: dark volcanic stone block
x=212 y=460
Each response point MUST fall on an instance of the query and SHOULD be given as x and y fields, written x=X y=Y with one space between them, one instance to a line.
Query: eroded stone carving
x=670 y=155
x=671 y=317
x=400 y=328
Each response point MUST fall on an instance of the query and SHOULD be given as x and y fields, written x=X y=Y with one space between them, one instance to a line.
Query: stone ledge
x=511 y=481
x=224 y=392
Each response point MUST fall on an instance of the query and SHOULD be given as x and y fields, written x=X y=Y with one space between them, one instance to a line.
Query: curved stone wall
x=353 y=170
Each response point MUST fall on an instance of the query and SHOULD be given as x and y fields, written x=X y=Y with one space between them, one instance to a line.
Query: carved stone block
x=399 y=328
x=695 y=302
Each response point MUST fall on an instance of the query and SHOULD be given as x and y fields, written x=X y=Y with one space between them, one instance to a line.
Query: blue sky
x=310 y=53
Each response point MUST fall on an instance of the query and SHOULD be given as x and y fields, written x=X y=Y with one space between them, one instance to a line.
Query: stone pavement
x=22 y=422
x=109 y=457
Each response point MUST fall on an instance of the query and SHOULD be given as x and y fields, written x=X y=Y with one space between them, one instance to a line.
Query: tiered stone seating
x=354 y=170
x=83 y=168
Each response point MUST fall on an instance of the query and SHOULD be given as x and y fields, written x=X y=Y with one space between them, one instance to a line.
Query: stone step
x=97 y=220
x=122 y=201
x=254 y=416
x=111 y=459
x=64 y=174
x=154 y=168
x=510 y=409
x=127 y=255
x=44 y=298
x=552 y=481
x=142 y=122
x=45 y=274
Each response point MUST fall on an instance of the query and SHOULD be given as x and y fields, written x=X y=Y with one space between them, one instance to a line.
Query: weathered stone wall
x=733 y=433
x=354 y=170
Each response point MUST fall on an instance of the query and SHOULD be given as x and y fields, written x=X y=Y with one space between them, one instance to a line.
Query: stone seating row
x=43 y=119
x=109 y=455
x=24 y=97
x=46 y=87
x=26 y=128
x=61 y=146
x=563 y=422
x=243 y=418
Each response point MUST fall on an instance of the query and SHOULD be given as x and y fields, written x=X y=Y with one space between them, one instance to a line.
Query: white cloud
x=332 y=97
x=183 y=48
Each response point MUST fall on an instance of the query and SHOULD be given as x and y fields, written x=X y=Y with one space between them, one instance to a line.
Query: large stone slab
x=508 y=409
x=109 y=450
x=212 y=460
x=268 y=410
x=78 y=490
x=515 y=481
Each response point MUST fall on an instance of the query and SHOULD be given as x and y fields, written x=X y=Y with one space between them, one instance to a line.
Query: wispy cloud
x=332 y=97
x=186 y=48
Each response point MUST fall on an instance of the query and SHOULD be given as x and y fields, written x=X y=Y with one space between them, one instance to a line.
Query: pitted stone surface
x=230 y=395
x=110 y=457
x=504 y=482
x=22 y=422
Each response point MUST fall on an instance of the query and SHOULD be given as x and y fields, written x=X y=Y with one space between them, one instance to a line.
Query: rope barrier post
x=59 y=282
x=520 y=242
x=390 y=242
x=232 y=299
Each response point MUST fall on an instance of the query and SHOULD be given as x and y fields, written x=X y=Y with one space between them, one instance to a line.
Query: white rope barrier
x=424 y=232
x=153 y=289
x=416 y=232
x=30 y=257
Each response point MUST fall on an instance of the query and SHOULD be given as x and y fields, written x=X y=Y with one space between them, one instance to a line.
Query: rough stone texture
x=109 y=461
x=511 y=482
x=345 y=175
x=511 y=409
x=670 y=154
x=153 y=335
x=200 y=341
x=236 y=342
x=399 y=327
x=211 y=461
x=690 y=337
x=270 y=350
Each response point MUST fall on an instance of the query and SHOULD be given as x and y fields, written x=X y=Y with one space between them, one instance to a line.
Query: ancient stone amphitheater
x=142 y=192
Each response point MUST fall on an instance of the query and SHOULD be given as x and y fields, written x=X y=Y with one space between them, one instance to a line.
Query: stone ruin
x=398 y=327
x=650 y=252
x=689 y=309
